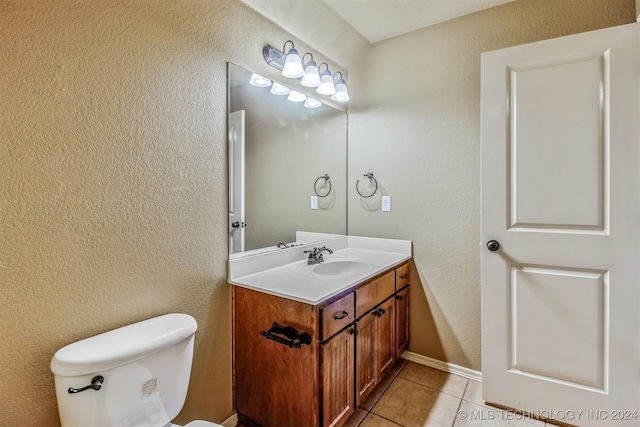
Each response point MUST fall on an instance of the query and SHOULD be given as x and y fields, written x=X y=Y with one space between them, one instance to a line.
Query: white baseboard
x=232 y=421
x=443 y=366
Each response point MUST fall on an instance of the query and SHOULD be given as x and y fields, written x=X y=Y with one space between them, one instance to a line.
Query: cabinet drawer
x=371 y=294
x=402 y=276
x=337 y=315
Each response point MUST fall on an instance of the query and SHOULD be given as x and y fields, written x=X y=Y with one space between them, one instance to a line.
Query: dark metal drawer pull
x=404 y=276
x=292 y=337
x=340 y=316
x=399 y=297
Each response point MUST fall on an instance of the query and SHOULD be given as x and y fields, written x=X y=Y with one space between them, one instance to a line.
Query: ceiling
x=378 y=20
x=342 y=30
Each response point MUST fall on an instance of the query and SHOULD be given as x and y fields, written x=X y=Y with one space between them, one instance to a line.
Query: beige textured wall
x=414 y=120
x=113 y=188
x=113 y=173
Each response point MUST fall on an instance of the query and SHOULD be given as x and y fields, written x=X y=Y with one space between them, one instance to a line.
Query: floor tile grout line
x=385 y=418
x=363 y=418
x=370 y=411
x=393 y=378
x=438 y=390
x=455 y=417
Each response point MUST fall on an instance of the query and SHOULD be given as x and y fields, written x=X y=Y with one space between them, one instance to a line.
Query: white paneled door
x=236 y=181
x=561 y=227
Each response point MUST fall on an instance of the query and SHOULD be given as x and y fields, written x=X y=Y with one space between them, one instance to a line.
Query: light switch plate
x=386 y=203
x=314 y=202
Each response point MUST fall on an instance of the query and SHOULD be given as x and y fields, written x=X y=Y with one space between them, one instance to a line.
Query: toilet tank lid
x=123 y=345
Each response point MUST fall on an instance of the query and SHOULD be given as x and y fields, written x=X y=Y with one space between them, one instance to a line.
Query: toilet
x=134 y=376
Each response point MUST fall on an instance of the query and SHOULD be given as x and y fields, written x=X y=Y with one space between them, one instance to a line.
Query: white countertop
x=287 y=274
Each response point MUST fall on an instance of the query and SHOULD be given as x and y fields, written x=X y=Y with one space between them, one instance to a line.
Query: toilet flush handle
x=96 y=384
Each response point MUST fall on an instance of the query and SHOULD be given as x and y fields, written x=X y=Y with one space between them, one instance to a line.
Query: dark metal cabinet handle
x=493 y=245
x=404 y=276
x=353 y=331
x=399 y=297
x=379 y=312
x=341 y=315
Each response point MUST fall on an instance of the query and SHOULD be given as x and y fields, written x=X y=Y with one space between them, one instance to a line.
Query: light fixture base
x=274 y=57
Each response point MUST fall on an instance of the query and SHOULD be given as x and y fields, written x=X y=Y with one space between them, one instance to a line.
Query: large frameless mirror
x=287 y=165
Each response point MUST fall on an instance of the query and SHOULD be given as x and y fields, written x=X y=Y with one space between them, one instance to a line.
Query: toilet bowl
x=134 y=376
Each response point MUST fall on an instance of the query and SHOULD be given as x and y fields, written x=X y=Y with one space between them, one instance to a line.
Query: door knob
x=493 y=245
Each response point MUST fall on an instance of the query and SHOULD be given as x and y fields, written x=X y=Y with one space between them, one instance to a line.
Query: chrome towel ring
x=371 y=178
x=326 y=180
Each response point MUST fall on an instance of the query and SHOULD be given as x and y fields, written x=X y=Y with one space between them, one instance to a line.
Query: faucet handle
x=312 y=254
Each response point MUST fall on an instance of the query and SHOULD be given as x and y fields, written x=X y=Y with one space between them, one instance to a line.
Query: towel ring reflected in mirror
x=326 y=180
x=371 y=178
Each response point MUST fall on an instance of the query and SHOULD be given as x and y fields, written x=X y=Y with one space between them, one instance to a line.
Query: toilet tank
x=145 y=366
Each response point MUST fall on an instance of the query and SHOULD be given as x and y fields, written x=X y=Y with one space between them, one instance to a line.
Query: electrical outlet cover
x=386 y=203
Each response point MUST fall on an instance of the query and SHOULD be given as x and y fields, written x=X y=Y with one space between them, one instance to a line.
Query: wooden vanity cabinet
x=375 y=347
x=402 y=298
x=337 y=365
x=275 y=385
x=365 y=373
x=340 y=351
x=385 y=337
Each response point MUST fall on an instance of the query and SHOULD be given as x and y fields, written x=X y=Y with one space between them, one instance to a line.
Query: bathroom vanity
x=312 y=341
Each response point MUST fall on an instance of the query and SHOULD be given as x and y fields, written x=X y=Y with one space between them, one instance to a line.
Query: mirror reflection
x=287 y=164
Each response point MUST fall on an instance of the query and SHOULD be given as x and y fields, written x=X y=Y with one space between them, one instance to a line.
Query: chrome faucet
x=315 y=254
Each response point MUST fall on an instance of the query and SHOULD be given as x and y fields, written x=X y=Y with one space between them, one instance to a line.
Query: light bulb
x=292 y=65
x=326 y=84
x=278 y=89
x=341 y=94
x=259 y=81
x=311 y=76
x=296 y=96
x=312 y=103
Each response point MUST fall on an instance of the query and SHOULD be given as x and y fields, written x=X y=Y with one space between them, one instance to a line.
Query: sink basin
x=341 y=268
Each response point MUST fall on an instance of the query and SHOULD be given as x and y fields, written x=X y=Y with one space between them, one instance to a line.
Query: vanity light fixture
x=258 y=81
x=309 y=74
x=278 y=89
x=295 y=96
x=312 y=103
x=326 y=82
x=341 y=94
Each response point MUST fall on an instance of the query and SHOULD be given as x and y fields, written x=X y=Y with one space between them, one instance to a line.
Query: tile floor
x=420 y=396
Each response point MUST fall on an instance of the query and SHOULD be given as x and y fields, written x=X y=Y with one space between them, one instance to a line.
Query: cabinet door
x=402 y=321
x=385 y=337
x=276 y=385
x=402 y=276
x=365 y=356
x=337 y=356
